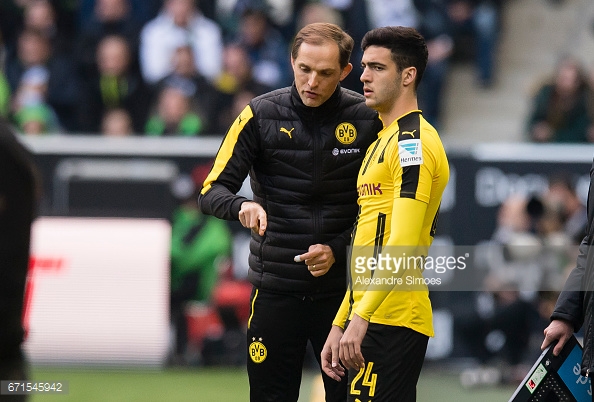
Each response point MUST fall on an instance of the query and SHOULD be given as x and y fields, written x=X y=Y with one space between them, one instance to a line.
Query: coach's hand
x=557 y=330
x=330 y=359
x=350 y=343
x=319 y=259
x=253 y=216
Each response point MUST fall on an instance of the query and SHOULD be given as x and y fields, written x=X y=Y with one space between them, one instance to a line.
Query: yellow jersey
x=400 y=185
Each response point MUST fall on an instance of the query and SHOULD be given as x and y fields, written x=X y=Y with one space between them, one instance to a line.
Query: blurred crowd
x=525 y=264
x=187 y=67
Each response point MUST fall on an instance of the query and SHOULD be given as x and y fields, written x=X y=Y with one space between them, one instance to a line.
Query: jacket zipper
x=316 y=181
x=263 y=240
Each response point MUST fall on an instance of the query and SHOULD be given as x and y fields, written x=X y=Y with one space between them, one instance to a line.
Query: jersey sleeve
x=343 y=311
x=234 y=160
x=406 y=227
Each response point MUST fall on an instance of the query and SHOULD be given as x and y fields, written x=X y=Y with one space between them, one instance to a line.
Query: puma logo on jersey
x=411 y=133
x=288 y=132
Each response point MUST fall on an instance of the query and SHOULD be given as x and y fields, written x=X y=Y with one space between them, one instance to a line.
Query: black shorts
x=393 y=360
x=279 y=328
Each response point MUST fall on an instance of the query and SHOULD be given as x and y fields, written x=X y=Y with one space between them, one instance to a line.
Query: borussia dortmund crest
x=346 y=133
x=258 y=351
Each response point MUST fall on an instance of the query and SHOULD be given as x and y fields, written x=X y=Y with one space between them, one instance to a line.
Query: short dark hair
x=407 y=46
x=320 y=32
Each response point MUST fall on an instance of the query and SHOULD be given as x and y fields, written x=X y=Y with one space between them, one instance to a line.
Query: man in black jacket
x=574 y=305
x=302 y=146
x=17 y=210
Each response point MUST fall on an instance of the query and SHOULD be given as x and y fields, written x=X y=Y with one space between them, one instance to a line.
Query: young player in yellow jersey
x=400 y=185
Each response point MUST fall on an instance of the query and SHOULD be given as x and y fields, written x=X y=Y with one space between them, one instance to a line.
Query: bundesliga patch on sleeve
x=410 y=152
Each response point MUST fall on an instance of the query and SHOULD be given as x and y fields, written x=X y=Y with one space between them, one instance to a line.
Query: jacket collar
x=324 y=111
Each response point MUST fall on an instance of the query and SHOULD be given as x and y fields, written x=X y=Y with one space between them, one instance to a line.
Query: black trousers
x=393 y=360
x=14 y=368
x=279 y=328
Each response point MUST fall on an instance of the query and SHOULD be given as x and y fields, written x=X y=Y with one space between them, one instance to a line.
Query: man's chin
x=311 y=102
x=370 y=103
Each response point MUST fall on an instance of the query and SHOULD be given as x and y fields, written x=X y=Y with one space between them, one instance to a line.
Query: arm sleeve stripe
x=410 y=181
x=410 y=174
x=434 y=223
x=226 y=150
x=380 y=231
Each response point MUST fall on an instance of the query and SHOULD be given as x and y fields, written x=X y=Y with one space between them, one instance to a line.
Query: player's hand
x=253 y=216
x=319 y=259
x=557 y=330
x=330 y=359
x=350 y=343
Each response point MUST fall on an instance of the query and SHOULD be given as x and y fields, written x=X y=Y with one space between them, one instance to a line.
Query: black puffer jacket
x=18 y=190
x=576 y=302
x=303 y=163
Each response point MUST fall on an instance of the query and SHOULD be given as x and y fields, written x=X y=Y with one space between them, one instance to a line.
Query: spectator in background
x=480 y=21
x=110 y=17
x=435 y=28
x=40 y=15
x=13 y=16
x=174 y=114
x=116 y=123
x=200 y=246
x=265 y=47
x=563 y=198
x=141 y=10
x=185 y=75
x=234 y=85
x=560 y=107
x=38 y=77
x=114 y=84
x=228 y=14
x=318 y=12
x=36 y=119
x=32 y=89
x=180 y=23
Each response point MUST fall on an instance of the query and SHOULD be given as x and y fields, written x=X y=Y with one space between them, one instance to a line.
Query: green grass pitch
x=220 y=385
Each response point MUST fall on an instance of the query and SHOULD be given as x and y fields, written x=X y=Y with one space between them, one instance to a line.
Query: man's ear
x=346 y=71
x=409 y=76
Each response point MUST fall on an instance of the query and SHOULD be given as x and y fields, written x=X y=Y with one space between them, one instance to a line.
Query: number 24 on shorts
x=369 y=380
